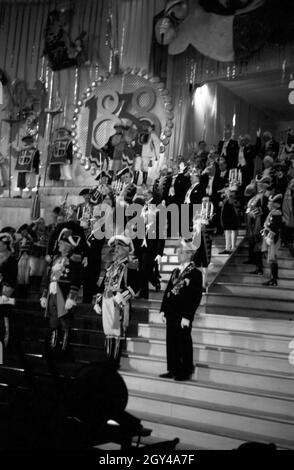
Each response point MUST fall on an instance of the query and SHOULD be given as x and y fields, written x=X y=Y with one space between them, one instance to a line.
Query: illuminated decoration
x=291 y=94
x=133 y=97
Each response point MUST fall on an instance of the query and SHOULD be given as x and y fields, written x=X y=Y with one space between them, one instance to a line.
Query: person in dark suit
x=150 y=248
x=229 y=148
x=180 y=302
x=246 y=156
x=195 y=193
x=213 y=188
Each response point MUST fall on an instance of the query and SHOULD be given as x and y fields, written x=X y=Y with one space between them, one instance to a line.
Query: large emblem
x=133 y=100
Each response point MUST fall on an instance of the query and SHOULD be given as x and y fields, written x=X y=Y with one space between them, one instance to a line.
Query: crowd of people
x=230 y=184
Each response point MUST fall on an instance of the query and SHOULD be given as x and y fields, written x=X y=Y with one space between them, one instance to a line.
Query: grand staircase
x=242 y=389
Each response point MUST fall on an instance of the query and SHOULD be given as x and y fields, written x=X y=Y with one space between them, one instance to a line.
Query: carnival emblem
x=120 y=110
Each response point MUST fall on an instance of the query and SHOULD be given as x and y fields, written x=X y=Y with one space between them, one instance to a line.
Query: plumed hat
x=263 y=179
x=277 y=199
x=101 y=174
x=6 y=238
x=67 y=236
x=121 y=240
x=84 y=192
x=122 y=172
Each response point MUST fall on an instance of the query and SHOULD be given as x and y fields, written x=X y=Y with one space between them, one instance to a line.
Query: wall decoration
x=225 y=30
x=60 y=50
x=132 y=100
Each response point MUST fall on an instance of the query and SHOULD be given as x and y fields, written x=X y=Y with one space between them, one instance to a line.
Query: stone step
x=251 y=325
x=283 y=252
x=270 y=426
x=284 y=262
x=287 y=273
x=215 y=373
x=250 y=303
x=262 y=401
x=253 y=290
x=252 y=279
x=228 y=356
x=206 y=437
x=258 y=351
x=257 y=342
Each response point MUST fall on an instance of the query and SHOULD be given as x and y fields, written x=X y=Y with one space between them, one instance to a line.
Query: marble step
x=258 y=342
x=254 y=290
x=250 y=303
x=287 y=273
x=283 y=262
x=230 y=356
x=215 y=373
x=252 y=279
x=262 y=400
x=271 y=426
x=259 y=351
x=206 y=437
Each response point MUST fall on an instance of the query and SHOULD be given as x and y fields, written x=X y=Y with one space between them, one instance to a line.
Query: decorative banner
x=60 y=50
x=132 y=98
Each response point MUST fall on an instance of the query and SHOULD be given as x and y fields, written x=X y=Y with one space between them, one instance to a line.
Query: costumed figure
x=147 y=151
x=117 y=146
x=180 y=301
x=256 y=213
x=230 y=212
x=85 y=211
x=162 y=185
x=27 y=165
x=202 y=238
x=288 y=217
x=128 y=188
x=39 y=248
x=61 y=155
x=151 y=247
x=24 y=250
x=103 y=188
x=229 y=148
x=113 y=302
x=4 y=180
x=271 y=236
x=8 y=280
x=61 y=285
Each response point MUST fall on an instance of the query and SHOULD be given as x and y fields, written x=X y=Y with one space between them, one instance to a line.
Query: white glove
x=48 y=259
x=97 y=309
x=69 y=304
x=162 y=317
x=119 y=299
x=158 y=259
x=3 y=299
x=85 y=262
x=185 y=323
x=43 y=302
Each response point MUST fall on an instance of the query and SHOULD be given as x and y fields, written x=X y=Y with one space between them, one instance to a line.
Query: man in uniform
x=61 y=285
x=27 y=165
x=113 y=302
x=180 y=302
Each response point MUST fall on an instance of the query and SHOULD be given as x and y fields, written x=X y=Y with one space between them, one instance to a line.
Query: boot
x=259 y=264
x=145 y=175
x=64 y=344
x=136 y=177
x=274 y=276
x=108 y=346
x=53 y=338
x=117 y=351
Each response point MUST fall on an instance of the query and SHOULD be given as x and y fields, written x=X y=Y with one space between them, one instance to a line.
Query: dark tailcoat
x=181 y=300
x=231 y=152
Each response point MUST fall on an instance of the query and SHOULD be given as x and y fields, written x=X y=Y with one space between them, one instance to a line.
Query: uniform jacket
x=273 y=223
x=67 y=272
x=183 y=293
